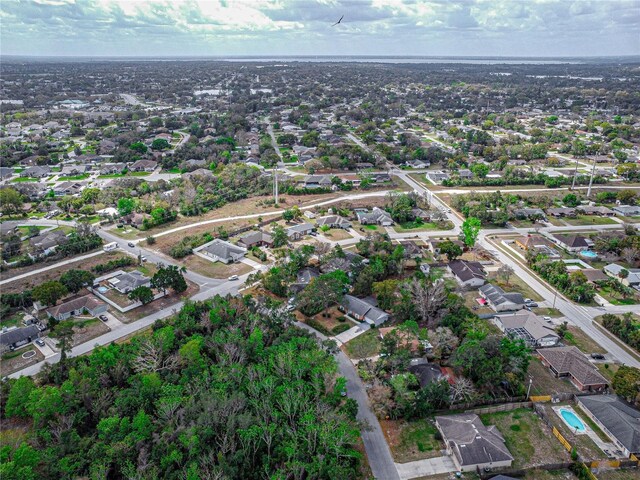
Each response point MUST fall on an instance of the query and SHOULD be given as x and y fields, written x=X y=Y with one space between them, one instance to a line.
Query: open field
x=169 y=299
x=27 y=283
x=336 y=234
x=527 y=438
x=12 y=361
x=412 y=440
x=589 y=220
x=214 y=269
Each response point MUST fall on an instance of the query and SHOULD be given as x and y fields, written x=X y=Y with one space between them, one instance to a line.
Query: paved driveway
x=425 y=468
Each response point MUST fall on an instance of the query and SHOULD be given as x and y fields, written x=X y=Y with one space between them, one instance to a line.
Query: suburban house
x=562 y=212
x=427 y=373
x=135 y=219
x=601 y=211
x=303 y=278
x=6 y=172
x=221 y=251
x=467 y=274
x=317 y=181
x=200 y=172
x=527 y=326
x=572 y=363
x=616 y=418
x=78 y=306
x=364 y=310
x=143 y=166
x=537 y=243
x=36 y=171
x=411 y=249
x=106 y=146
x=471 y=445
x=296 y=232
x=71 y=170
x=527 y=213
x=627 y=210
x=255 y=239
x=13 y=338
x=380 y=177
x=377 y=216
x=345 y=263
x=125 y=282
x=68 y=188
x=631 y=280
x=112 y=168
x=500 y=300
x=438 y=176
x=572 y=243
x=47 y=243
x=334 y=221
x=594 y=275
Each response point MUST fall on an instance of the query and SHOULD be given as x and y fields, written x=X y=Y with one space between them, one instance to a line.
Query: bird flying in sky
x=338 y=21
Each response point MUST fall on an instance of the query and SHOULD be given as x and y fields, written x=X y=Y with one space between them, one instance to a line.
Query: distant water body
x=367 y=59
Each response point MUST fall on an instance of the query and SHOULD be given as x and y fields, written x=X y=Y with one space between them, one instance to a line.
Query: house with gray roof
x=13 y=338
x=627 y=210
x=221 y=251
x=438 y=176
x=632 y=278
x=500 y=300
x=528 y=327
x=364 y=310
x=317 y=181
x=47 y=243
x=377 y=216
x=334 y=221
x=78 y=306
x=572 y=243
x=303 y=278
x=38 y=171
x=527 y=213
x=616 y=418
x=599 y=210
x=467 y=274
x=296 y=232
x=125 y=282
x=471 y=445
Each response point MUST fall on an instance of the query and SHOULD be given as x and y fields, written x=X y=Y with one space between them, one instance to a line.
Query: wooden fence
x=505 y=407
x=562 y=440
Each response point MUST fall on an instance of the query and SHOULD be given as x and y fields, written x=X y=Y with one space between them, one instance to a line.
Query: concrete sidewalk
x=425 y=468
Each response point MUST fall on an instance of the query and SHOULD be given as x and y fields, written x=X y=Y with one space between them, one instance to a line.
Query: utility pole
x=275 y=184
x=593 y=171
x=575 y=174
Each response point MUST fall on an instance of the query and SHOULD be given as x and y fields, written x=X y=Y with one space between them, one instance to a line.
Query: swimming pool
x=103 y=289
x=588 y=254
x=572 y=420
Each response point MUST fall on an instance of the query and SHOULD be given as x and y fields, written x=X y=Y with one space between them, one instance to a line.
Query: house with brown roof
x=78 y=306
x=572 y=363
x=255 y=239
x=572 y=243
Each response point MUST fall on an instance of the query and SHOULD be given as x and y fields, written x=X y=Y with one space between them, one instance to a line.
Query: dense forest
x=226 y=389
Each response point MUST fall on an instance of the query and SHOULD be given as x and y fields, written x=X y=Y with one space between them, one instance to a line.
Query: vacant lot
x=336 y=234
x=28 y=283
x=169 y=299
x=516 y=284
x=214 y=269
x=12 y=361
x=411 y=440
x=334 y=323
x=528 y=438
x=365 y=345
x=589 y=220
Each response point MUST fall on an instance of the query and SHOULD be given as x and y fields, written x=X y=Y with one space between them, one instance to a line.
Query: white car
x=233 y=277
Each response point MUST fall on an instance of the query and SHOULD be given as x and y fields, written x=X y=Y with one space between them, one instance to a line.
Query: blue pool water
x=588 y=254
x=572 y=420
x=102 y=289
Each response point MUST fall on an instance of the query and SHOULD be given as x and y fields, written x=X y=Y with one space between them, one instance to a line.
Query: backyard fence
x=505 y=407
x=562 y=440
x=524 y=472
x=540 y=398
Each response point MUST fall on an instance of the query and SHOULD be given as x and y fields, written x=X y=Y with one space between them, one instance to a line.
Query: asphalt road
x=375 y=443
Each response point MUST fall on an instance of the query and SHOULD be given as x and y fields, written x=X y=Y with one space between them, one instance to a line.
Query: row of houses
x=44 y=171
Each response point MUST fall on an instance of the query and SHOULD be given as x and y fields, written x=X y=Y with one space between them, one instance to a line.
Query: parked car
x=597 y=356
x=40 y=342
x=547 y=319
x=131 y=244
x=233 y=277
x=531 y=304
x=103 y=318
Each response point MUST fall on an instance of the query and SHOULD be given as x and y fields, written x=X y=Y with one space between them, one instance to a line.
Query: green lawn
x=76 y=177
x=516 y=284
x=547 y=312
x=112 y=175
x=420 y=226
x=413 y=440
x=370 y=227
x=589 y=220
x=578 y=338
x=139 y=174
x=615 y=298
x=24 y=179
x=365 y=345
x=174 y=170
x=527 y=438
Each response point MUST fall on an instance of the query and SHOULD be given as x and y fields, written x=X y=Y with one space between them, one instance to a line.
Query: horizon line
x=323 y=55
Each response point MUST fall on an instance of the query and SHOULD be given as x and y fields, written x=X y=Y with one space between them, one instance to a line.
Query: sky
x=522 y=28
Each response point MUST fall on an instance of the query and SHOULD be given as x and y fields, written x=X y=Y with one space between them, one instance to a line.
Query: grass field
x=544 y=382
x=589 y=220
x=24 y=179
x=516 y=284
x=365 y=345
x=578 y=338
x=214 y=269
x=75 y=177
x=412 y=440
x=527 y=438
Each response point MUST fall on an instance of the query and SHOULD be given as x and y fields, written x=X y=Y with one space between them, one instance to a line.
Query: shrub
x=151 y=240
x=343 y=327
